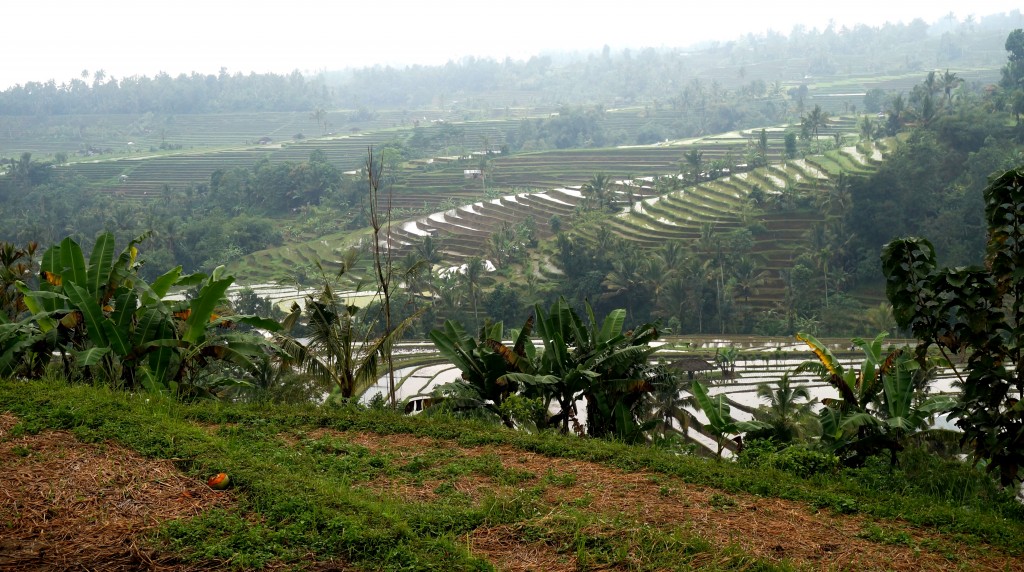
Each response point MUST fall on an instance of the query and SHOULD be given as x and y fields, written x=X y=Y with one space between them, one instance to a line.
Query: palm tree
x=949 y=82
x=897 y=107
x=598 y=189
x=673 y=296
x=319 y=115
x=866 y=128
x=695 y=160
x=880 y=318
x=788 y=418
x=815 y=121
x=339 y=353
x=932 y=85
x=429 y=250
x=447 y=295
x=627 y=278
x=747 y=277
x=472 y=275
x=668 y=403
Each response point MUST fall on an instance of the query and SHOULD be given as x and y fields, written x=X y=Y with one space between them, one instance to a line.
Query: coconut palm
x=598 y=189
x=866 y=128
x=627 y=279
x=814 y=121
x=472 y=275
x=949 y=82
x=340 y=353
x=667 y=405
x=788 y=412
x=897 y=108
x=429 y=250
x=695 y=160
x=747 y=277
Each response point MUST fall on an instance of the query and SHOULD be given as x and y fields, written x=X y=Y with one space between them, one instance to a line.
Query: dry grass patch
x=503 y=548
x=68 y=505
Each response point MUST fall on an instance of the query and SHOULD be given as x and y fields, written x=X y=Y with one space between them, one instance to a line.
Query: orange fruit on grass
x=219 y=481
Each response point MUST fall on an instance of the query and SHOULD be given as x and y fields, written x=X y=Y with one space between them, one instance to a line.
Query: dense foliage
x=977 y=311
x=106 y=323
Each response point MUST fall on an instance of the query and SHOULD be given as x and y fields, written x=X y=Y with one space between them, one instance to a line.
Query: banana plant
x=105 y=320
x=24 y=348
x=881 y=403
x=596 y=362
x=721 y=423
x=487 y=366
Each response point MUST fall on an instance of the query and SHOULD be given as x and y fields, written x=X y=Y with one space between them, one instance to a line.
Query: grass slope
x=319 y=488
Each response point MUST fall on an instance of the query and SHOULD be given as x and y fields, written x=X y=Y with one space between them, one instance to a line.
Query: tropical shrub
x=801 y=460
x=720 y=420
x=979 y=312
x=108 y=324
x=594 y=362
x=880 y=406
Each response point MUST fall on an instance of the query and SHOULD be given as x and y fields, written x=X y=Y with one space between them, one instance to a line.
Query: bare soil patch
x=66 y=505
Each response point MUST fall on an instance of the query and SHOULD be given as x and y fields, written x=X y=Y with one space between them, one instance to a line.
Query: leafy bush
x=799 y=460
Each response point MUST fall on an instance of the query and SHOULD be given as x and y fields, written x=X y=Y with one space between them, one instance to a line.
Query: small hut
x=691 y=366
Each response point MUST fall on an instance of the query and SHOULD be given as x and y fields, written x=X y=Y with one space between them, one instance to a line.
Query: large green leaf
x=898 y=390
x=51 y=264
x=857 y=420
x=620 y=361
x=51 y=261
x=164 y=282
x=836 y=375
x=90 y=308
x=715 y=408
x=118 y=327
x=530 y=380
x=73 y=262
x=123 y=267
x=202 y=308
x=91 y=356
x=100 y=264
x=40 y=303
x=267 y=324
x=612 y=326
x=16 y=338
x=450 y=343
x=524 y=337
x=154 y=326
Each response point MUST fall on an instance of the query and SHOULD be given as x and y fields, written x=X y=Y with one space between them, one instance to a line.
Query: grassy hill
x=105 y=479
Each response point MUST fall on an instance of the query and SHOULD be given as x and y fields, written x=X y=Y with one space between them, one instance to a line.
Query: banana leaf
x=202 y=308
x=100 y=264
x=73 y=263
x=90 y=357
x=90 y=308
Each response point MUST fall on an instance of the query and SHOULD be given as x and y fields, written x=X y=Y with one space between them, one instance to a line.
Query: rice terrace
x=749 y=304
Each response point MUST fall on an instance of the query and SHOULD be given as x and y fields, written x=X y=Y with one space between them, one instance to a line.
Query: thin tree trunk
x=382 y=262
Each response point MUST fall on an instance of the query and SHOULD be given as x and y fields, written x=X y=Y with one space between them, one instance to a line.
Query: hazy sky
x=59 y=38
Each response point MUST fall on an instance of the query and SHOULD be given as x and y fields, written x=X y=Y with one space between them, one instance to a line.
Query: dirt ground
x=771 y=528
x=65 y=505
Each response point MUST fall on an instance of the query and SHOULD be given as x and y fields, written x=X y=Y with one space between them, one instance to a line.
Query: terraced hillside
x=653 y=219
x=682 y=214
